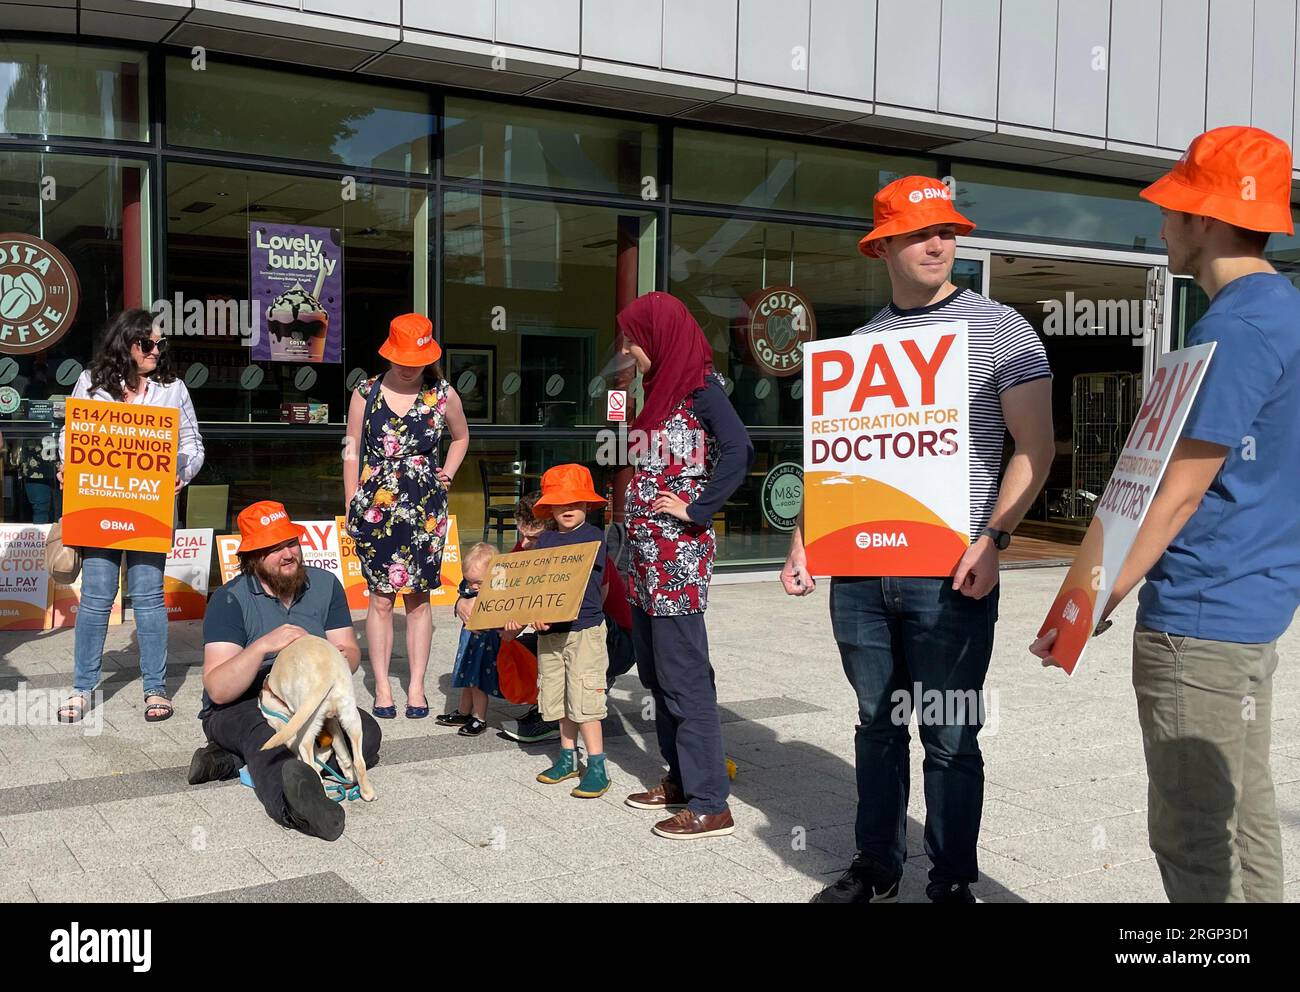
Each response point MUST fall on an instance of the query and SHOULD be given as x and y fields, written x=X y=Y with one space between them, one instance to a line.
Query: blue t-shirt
x=1233 y=571
x=592 y=613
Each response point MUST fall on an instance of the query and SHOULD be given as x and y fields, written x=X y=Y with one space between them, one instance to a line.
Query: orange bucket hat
x=266 y=524
x=1239 y=175
x=910 y=204
x=565 y=484
x=410 y=341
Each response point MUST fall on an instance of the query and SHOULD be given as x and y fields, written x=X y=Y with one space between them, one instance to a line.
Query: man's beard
x=280 y=584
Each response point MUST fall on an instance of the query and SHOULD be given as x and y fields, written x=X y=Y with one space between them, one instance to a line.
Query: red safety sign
x=616 y=405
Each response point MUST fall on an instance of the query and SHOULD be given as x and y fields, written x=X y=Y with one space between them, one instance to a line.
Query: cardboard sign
x=24 y=582
x=545 y=586
x=119 y=485
x=887 y=452
x=185 y=577
x=1123 y=506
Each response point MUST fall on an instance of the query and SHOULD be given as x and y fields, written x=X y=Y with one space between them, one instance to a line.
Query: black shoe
x=941 y=892
x=309 y=809
x=212 y=763
x=473 y=728
x=453 y=719
x=863 y=882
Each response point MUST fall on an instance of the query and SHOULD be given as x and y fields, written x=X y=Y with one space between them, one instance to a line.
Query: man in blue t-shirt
x=1220 y=547
x=273 y=601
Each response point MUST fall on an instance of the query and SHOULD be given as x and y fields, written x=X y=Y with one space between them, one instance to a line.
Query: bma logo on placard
x=39 y=293
x=778 y=322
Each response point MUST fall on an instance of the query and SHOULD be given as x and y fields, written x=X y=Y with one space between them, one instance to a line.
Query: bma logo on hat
x=774 y=330
x=421 y=342
x=929 y=193
x=39 y=293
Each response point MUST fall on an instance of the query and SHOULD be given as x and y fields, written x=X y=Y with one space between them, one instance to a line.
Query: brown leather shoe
x=689 y=825
x=665 y=795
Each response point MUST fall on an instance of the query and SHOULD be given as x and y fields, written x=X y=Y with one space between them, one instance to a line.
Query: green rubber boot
x=595 y=781
x=565 y=767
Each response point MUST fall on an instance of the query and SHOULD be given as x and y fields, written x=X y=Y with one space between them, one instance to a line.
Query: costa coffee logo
x=772 y=335
x=39 y=293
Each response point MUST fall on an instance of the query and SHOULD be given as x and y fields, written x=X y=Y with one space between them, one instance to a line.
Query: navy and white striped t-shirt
x=1003 y=351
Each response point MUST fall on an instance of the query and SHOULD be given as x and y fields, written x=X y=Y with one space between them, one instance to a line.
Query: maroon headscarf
x=680 y=355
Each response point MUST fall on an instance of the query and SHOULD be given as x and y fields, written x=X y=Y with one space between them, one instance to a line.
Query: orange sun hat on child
x=565 y=484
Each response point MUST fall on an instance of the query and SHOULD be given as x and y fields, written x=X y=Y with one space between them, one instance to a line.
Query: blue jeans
x=901 y=639
x=100 y=568
x=40 y=493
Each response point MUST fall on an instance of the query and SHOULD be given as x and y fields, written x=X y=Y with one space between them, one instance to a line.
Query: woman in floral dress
x=397 y=496
x=691 y=452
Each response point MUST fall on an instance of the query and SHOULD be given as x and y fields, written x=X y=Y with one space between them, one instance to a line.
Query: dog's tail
x=312 y=701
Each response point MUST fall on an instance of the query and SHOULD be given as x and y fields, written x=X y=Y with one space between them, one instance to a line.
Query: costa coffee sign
x=38 y=294
x=773 y=332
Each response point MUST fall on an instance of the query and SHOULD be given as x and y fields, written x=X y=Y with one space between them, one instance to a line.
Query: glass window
x=75 y=91
x=784 y=175
x=541 y=147
x=305 y=474
x=239 y=108
x=1059 y=208
x=212 y=214
x=97 y=222
x=729 y=271
x=530 y=290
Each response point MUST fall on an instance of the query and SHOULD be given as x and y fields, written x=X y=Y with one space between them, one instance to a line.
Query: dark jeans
x=900 y=639
x=672 y=659
x=242 y=729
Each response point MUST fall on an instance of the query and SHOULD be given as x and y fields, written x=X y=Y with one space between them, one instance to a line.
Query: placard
x=354 y=580
x=185 y=576
x=545 y=585
x=887 y=452
x=119 y=475
x=1123 y=506
x=296 y=275
x=24 y=582
x=228 y=556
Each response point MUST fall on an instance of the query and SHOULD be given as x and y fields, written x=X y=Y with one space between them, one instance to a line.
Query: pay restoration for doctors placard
x=887 y=452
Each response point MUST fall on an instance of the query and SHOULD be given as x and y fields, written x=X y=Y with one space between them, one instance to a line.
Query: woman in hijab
x=690 y=453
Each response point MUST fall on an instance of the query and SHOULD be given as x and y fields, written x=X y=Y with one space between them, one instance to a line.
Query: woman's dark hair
x=113 y=365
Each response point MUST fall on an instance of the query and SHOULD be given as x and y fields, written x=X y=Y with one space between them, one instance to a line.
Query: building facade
x=520 y=169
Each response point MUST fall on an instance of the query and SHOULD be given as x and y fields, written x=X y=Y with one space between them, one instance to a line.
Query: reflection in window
x=543 y=147
x=209 y=214
x=784 y=175
x=720 y=268
x=75 y=91
x=530 y=290
x=254 y=111
x=1059 y=208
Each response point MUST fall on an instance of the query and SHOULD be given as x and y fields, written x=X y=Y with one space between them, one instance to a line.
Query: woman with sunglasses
x=130 y=366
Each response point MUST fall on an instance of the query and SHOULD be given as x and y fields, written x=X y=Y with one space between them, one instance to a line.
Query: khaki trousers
x=1205 y=708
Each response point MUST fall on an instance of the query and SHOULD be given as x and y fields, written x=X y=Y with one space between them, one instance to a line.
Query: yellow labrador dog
x=312 y=682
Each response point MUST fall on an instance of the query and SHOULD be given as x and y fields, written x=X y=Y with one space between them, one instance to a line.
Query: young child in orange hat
x=571 y=657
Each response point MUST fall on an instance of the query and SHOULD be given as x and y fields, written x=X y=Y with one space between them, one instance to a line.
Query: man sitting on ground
x=273 y=601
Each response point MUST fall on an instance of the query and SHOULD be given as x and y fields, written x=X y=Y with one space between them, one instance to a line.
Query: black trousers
x=672 y=659
x=242 y=729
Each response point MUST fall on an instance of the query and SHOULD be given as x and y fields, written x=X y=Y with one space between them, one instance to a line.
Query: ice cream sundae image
x=298 y=325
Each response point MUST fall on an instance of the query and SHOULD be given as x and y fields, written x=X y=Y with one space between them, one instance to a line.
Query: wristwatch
x=1001 y=538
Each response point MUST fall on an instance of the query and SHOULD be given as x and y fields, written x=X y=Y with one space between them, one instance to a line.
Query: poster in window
x=296 y=277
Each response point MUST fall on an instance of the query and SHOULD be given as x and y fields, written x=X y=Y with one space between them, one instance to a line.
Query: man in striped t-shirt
x=909 y=634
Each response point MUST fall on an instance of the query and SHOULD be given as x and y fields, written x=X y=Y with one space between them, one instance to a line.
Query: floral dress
x=398 y=515
x=672 y=560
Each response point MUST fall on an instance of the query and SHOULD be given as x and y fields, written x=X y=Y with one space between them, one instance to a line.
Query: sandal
x=72 y=712
x=165 y=706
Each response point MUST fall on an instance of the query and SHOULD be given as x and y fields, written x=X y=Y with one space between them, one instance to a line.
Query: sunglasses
x=147 y=345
